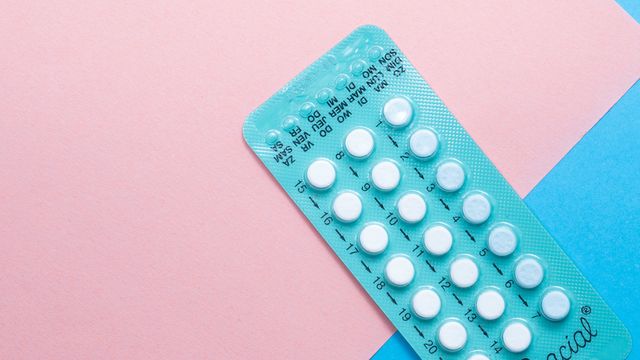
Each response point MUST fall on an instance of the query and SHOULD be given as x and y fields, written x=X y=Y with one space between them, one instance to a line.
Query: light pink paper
x=135 y=222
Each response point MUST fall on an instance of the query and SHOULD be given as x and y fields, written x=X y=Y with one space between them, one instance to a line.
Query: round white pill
x=464 y=272
x=411 y=207
x=555 y=305
x=450 y=176
x=398 y=111
x=476 y=208
x=529 y=273
x=516 y=337
x=426 y=304
x=502 y=240
x=321 y=174
x=452 y=335
x=399 y=271
x=478 y=357
x=385 y=175
x=347 y=206
x=437 y=240
x=373 y=239
x=423 y=143
x=490 y=305
x=359 y=143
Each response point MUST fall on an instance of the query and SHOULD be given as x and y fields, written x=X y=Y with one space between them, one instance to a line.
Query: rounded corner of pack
x=370 y=28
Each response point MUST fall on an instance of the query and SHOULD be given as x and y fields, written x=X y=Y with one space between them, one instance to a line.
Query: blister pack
x=421 y=217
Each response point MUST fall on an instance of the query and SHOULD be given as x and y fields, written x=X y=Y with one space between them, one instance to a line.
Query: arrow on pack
x=536 y=315
x=445 y=204
x=392 y=141
x=430 y=266
x=497 y=268
x=484 y=332
x=470 y=236
x=457 y=299
x=392 y=299
x=365 y=266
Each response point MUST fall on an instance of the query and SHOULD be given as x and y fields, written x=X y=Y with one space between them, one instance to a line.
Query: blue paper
x=632 y=7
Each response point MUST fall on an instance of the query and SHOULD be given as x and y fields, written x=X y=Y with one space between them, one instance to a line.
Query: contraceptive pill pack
x=421 y=217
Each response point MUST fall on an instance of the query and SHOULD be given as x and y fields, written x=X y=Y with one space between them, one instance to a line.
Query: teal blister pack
x=421 y=217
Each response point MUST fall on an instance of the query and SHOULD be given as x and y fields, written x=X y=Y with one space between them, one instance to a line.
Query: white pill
x=373 y=239
x=399 y=271
x=423 y=143
x=502 y=240
x=464 y=272
x=452 y=335
x=450 y=176
x=411 y=207
x=490 y=305
x=476 y=208
x=359 y=143
x=437 y=240
x=347 y=206
x=516 y=337
x=385 y=175
x=478 y=357
x=529 y=273
x=398 y=111
x=555 y=305
x=426 y=304
x=321 y=174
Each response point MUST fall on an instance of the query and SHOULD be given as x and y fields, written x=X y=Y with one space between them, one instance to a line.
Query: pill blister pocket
x=421 y=217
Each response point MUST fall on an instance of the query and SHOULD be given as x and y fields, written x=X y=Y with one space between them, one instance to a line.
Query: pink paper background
x=135 y=222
